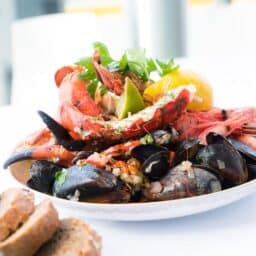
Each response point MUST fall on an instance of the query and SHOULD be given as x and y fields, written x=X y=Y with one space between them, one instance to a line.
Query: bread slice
x=16 y=205
x=74 y=238
x=38 y=229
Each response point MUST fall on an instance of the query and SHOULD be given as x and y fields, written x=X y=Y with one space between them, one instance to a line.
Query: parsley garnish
x=60 y=176
x=133 y=60
x=92 y=87
x=118 y=131
x=147 y=139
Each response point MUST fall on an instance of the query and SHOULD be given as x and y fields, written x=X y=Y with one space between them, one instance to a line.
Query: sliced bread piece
x=38 y=229
x=75 y=238
x=16 y=205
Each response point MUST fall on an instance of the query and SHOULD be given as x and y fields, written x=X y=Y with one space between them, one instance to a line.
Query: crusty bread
x=16 y=205
x=38 y=229
x=74 y=238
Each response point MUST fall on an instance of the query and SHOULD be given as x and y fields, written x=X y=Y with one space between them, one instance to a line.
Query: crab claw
x=61 y=134
x=54 y=153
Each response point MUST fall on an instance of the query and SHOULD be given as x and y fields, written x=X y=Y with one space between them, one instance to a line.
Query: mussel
x=187 y=150
x=43 y=175
x=156 y=166
x=154 y=160
x=184 y=180
x=164 y=137
x=87 y=182
x=224 y=160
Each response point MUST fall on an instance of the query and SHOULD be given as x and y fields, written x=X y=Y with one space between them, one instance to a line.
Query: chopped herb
x=171 y=94
x=60 y=176
x=147 y=139
x=118 y=131
x=86 y=76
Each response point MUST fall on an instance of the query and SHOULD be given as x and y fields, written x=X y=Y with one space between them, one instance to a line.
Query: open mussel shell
x=226 y=162
x=156 y=166
x=184 y=180
x=143 y=152
x=43 y=175
x=187 y=150
x=243 y=149
x=87 y=181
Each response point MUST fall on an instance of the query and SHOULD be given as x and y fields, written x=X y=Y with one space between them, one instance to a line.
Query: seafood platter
x=136 y=132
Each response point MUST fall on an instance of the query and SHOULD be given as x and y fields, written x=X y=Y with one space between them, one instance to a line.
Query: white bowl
x=143 y=211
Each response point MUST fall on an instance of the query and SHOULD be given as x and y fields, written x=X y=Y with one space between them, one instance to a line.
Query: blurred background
x=33 y=45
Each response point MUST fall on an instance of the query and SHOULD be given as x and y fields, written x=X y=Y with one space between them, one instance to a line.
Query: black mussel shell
x=183 y=181
x=82 y=155
x=251 y=171
x=42 y=175
x=88 y=180
x=243 y=149
x=226 y=161
x=187 y=150
x=215 y=138
x=143 y=152
x=156 y=166
x=163 y=137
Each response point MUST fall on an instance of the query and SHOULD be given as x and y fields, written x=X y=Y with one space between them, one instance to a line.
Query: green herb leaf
x=151 y=66
x=86 y=63
x=60 y=176
x=123 y=63
x=87 y=76
x=103 y=90
x=92 y=87
x=104 y=53
x=147 y=139
x=166 y=68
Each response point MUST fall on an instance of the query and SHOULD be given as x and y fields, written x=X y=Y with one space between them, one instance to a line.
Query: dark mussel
x=156 y=166
x=251 y=171
x=163 y=137
x=88 y=182
x=154 y=160
x=143 y=152
x=244 y=149
x=82 y=155
x=184 y=180
x=224 y=159
x=187 y=150
x=43 y=175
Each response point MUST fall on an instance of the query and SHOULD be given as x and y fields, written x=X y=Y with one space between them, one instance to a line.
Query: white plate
x=224 y=84
x=150 y=210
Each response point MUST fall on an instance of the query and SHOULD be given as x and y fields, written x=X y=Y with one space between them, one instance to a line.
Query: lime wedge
x=130 y=101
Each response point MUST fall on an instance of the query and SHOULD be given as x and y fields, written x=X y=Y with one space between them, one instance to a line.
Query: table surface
x=229 y=230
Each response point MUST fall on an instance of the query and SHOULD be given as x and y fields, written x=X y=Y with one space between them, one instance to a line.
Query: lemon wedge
x=130 y=101
x=203 y=99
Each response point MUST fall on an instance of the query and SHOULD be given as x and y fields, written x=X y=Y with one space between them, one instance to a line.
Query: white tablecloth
x=229 y=230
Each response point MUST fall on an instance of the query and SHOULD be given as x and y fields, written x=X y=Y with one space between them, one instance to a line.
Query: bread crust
x=38 y=229
x=16 y=205
x=74 y=238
